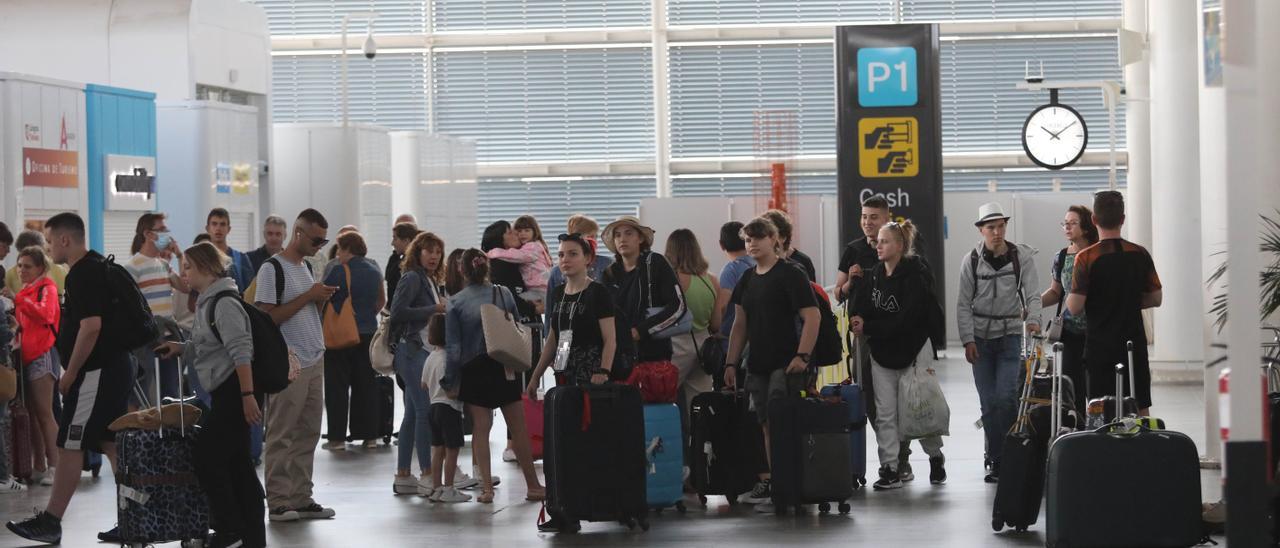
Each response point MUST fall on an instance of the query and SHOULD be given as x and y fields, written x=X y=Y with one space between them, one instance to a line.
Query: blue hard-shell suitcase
x=664 y=473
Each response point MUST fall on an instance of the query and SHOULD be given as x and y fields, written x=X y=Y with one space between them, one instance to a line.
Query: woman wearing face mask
x=223 y=360
x=1080 y=231
x=899 y=315
x=416 y=299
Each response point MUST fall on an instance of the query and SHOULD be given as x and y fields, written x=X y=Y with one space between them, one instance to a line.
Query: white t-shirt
x=432 y=372
x=303 y=332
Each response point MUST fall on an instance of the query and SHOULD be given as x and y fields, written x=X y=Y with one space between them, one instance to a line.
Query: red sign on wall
x=50 y=168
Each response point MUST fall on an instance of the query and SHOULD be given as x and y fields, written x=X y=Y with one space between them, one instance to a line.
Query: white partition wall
x=209 y=155
x=344 y=173
x=43 y=149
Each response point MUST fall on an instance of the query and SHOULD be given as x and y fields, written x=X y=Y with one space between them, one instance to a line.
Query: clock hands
x=1052 y=136
x=1055 y=135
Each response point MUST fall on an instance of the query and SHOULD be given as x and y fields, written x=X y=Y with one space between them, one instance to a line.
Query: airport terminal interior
x=985 y=201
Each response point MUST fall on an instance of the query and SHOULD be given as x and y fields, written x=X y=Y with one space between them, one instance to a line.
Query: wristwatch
x=804 y=356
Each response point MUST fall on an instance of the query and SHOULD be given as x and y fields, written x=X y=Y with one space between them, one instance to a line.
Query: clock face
x=1054 y=136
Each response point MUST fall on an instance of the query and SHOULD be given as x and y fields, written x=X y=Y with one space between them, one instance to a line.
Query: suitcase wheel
x=702 y=499
x=824 y=508
x=95 y=470
x=644 y=524
x=733 y=500
x=997 y=522
x=844 y=508
x=859 y=481
x=630 y=523
x=1020 y=529
x=571 y=526
x=680 y=507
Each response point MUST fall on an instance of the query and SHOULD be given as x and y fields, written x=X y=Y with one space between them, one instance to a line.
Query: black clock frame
x=1053 y=102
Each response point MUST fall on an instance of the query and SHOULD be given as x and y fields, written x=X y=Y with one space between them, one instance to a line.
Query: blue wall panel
x=119 y=121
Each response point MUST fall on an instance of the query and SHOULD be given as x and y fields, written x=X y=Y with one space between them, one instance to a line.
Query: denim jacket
x=412 y=305
x=463 y=330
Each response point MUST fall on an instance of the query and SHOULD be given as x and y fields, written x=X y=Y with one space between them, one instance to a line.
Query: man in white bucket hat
x=999 y=289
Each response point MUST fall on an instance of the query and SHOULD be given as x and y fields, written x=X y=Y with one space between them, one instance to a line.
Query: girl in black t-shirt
x=582 y=341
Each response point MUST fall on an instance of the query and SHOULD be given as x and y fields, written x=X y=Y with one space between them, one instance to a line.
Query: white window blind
x=324 y=17
x=547 y=105
x=962 y=10
x=753 y=12
x=1036 y=180
x=389 y=90
x=471 y=15
x=745 y=185
x=981 y=110
x=716 y=90
x=552 y=201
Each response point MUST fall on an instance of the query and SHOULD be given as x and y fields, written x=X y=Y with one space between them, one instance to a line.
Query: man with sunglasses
x=287 y=290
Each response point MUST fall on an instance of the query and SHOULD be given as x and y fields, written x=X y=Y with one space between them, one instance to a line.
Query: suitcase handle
x=1055 y=395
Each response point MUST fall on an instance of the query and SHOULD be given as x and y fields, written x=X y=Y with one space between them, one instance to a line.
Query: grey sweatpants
x=885 y=381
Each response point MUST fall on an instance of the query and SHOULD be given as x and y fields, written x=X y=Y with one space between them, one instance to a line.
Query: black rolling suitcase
x=724 y=441
x=1123 y=487
x=594 y=455
x=386 y=388
x=809 y=439
x=1021 y=485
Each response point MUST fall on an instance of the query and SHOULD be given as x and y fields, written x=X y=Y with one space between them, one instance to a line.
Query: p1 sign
x=887 y=77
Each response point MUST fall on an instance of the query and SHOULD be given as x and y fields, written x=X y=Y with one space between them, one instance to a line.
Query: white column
x=1213 y=238
x=1175 y=164
x=661 y=100
x=1137 y=126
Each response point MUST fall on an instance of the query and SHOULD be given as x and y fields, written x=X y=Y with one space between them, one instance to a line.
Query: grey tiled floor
x=357 y=484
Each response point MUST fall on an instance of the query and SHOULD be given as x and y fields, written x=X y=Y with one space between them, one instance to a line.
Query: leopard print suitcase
x=159 y=497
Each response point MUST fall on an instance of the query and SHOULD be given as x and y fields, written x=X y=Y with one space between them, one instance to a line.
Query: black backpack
x=827 y=349
x=270 y=352
x=128 y=323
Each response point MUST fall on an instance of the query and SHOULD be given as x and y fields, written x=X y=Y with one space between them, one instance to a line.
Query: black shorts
x=446 y=426
x=95 y=399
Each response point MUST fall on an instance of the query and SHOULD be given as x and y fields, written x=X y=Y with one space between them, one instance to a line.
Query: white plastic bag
x=922 y=409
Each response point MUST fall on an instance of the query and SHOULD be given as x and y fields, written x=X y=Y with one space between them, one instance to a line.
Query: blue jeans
x=415 y=429
x=996 y=375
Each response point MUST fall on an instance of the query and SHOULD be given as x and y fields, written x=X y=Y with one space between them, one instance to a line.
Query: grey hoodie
x=995 y=309
x=212 y=359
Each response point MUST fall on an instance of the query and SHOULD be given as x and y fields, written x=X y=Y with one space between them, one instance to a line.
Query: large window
x=549 y=87
x=547 y=105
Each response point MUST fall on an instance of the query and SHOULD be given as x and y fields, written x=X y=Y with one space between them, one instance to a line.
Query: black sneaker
x=761 y=493
x=43 y=527
x=112 y=536
x=225 y=541
x=994 y=475
x=904 y=471
x=937 y=474
x=888 y=479
x=552 y=525
x=315 y=511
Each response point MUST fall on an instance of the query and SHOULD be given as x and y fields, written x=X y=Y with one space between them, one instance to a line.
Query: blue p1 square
x=887 y=77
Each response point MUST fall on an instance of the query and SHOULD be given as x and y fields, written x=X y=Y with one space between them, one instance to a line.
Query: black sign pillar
x=889 y=138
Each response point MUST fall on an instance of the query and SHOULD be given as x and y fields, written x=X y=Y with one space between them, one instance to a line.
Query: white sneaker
x=46 y=479
x=11 y=486
x=426 y=489
x=449 y=494
x=463 y=481
x=405 y=485
x=508 y=455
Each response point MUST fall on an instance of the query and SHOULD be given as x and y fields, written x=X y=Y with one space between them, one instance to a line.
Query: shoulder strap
x=648 y=277
x=973 y=266
x=1062 y=265
x=280 y=278
x=213 y=308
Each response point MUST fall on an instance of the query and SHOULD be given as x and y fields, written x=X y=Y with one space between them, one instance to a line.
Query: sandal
x=536 y=495
x=485 y=496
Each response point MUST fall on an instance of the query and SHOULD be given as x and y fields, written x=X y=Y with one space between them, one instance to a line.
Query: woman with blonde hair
x=899 y=315
x=222 y=358
x=38 y=313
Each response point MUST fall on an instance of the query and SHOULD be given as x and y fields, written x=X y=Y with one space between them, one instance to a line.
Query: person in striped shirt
x=153 y=248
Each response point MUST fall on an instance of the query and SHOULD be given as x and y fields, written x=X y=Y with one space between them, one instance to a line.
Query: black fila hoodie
x=900 y=312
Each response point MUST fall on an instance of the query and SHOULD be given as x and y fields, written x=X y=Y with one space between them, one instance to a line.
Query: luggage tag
x=564 y=342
